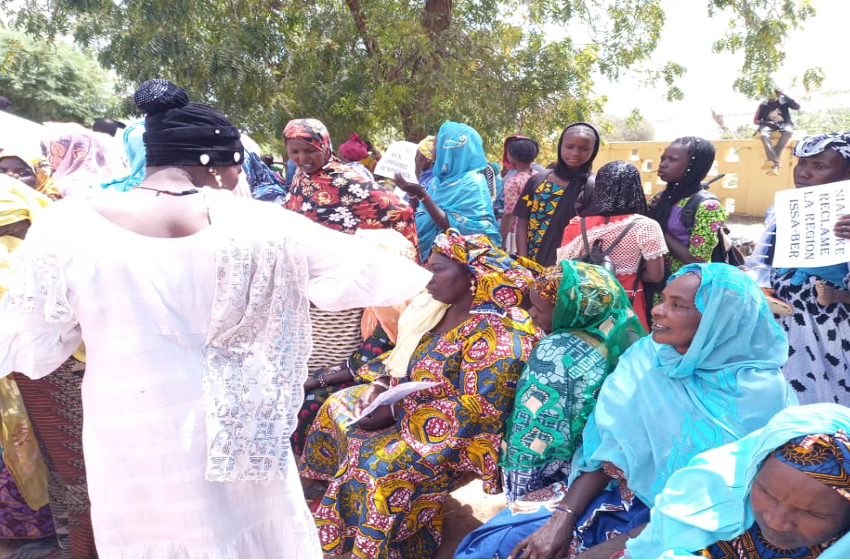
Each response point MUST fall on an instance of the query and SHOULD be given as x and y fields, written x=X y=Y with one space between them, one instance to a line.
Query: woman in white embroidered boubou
x=193 y=305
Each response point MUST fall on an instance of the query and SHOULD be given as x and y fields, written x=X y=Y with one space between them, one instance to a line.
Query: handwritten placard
x=400 y=157
x=805 y=219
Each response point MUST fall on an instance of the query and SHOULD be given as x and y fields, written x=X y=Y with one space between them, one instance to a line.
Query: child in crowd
x=547 y=205
x=521 y=154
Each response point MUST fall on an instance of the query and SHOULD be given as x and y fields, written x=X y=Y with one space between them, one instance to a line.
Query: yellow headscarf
x=426 y=148
x=21 y=454
x=40 y=167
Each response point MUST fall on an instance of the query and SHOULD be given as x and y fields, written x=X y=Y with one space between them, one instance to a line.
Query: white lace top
x=196 y=357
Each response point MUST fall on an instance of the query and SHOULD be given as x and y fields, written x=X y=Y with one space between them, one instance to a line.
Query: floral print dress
x=702 y=238
x=388 y=486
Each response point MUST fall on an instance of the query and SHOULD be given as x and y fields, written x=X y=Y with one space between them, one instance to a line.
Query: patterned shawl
x=78 y=159
x=595 y=324
x=501 y=282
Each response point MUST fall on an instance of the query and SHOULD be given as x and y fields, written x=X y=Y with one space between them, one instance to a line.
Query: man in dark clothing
x=774 y=115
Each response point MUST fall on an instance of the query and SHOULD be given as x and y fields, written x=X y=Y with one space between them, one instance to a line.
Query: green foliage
x=742 y=132
x=387 y=68
x=632 y=128
x=758 y=28
x=53 y=81
x=829 y=120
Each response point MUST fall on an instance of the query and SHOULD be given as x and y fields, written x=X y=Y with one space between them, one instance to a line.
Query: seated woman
x=391 y=472
x=708 y=375
x=589 y=324
x=30 y=169
x=457 y=196
x=616 y=217
x=780 y=492
x=377 y=330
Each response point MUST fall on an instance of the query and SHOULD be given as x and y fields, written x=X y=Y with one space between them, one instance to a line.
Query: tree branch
x=362 y=28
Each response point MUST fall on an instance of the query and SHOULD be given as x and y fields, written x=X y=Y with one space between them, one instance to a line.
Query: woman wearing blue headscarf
x=780 y=492
x=708 y=375
x=134 y=147
x=457 y=196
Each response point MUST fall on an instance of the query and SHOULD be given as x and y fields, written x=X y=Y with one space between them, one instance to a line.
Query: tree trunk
x=412 y=127
x=437 y=16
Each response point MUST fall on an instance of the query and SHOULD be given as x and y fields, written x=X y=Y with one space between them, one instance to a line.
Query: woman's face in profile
x=675 y=319
x=450 y=282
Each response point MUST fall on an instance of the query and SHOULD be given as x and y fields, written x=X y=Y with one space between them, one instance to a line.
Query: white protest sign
x=400 y=157
x=805 y=219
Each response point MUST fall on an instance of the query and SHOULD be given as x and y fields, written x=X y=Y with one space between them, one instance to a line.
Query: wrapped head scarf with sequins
x=183 y=133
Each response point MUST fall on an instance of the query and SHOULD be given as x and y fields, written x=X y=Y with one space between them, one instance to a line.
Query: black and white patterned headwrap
x=814 y=145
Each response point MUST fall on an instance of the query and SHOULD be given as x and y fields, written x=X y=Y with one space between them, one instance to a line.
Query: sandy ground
x=465 y=509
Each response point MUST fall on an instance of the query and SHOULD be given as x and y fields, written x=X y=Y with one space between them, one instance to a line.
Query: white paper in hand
x=804 y=221
x=392 y=395
x=400 y=157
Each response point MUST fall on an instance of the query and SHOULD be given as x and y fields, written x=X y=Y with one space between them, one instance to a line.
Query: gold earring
x=472 y=286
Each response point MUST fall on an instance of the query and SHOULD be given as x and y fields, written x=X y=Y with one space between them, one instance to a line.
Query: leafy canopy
x=53 y=81
x=382 y=67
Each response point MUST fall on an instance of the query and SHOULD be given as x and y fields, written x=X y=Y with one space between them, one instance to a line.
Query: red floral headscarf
x=311 y=131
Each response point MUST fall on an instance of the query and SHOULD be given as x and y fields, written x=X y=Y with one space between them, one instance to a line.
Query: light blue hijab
x=659 y=408
x=134 y=147
x=709 y=501
x=458 y=187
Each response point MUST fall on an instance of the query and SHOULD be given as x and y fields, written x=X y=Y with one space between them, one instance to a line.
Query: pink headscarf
x=355 y=149
x=78 y=158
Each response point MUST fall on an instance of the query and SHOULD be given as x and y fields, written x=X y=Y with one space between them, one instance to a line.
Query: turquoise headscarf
x=134 y=147
x=659 y=408
x=458 y=187
x=709 y=501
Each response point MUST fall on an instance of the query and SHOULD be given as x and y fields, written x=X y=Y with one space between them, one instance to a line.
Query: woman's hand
x=331 y=375
x=412 y=189
x=842 y=227
x=380 y=418
x=612 y=548
x=311 y=384
x=366 y=397
x=552 y=540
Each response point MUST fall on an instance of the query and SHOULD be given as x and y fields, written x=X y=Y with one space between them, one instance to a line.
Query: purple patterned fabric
x=17 y=519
